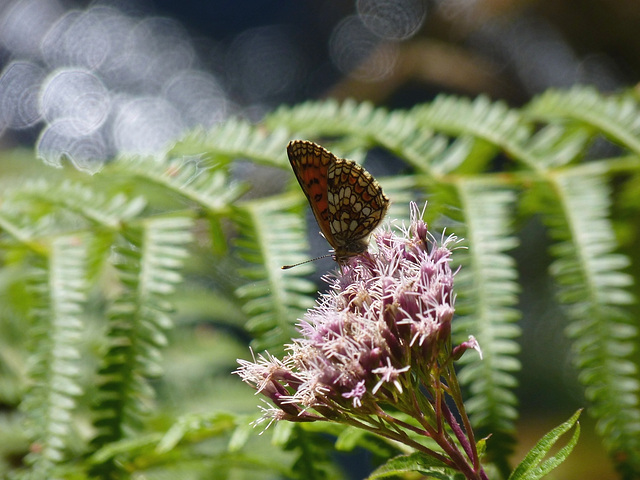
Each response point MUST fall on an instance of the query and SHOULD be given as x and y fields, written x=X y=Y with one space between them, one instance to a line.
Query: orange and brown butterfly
x=346 y=200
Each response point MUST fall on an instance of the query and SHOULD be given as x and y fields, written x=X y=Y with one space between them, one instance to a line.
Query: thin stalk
x=460 y=435
x=439 y=435
x=399 y=437
x=456 y=394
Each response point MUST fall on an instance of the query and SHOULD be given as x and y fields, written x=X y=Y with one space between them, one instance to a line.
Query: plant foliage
x=120 y=289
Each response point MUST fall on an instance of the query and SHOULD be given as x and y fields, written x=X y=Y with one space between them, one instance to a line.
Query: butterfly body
x=347 y=202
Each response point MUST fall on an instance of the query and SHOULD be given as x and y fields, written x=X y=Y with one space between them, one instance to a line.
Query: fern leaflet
x=488 y=293
x=59 y=284
x=148 y=259
x=272 y=234
x=236 y=139
x=595 y=289
x=397 y=131
x=617 y=116
x=192 y=178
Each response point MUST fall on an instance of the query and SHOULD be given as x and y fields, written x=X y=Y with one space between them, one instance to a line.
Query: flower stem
x=456 y=394
x=400 y=437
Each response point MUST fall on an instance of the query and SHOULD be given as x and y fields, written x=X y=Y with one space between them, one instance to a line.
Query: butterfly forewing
x=346 y=200
x=310 y=163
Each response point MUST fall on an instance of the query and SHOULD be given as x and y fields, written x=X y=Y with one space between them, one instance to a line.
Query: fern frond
x=192 y=178
x=595 y=289
x=196 y=446
x=17 y=229
x=480 y=117
x=40 y=208
x=107 y=211
x=148 y=262
x=451 y=144
x=59 y=284
x=493 y=122
x=555 y=146
x=488 y=289
x=396 y=131
x=402 y=189
x=198 y=426
x=236 y=139
x=273 y=234
x=22 y=223
x=616 y=116
x=504 y=129
x=332 y=118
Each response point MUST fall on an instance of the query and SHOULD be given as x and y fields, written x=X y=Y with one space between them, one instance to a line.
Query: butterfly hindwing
x=356 y=202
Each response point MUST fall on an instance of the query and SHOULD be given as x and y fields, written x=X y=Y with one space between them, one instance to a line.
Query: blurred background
x=92 y=79
x=88 y=80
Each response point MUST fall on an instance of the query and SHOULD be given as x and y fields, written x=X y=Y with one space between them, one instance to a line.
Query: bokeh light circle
x=77 y=96
x=359 y=53
x=262 y=63
x=145 y=125
x=24 y=23
x=60 y=140
x=19 y=90
x=155 y=49
x=392 y=19
x=198 y=96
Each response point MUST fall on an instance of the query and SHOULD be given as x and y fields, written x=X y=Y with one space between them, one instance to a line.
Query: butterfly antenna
x=287 y=267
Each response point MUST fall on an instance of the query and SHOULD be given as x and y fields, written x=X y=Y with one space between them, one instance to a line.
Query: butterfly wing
x=346 y=200
x=310 y=163
x=357 y=205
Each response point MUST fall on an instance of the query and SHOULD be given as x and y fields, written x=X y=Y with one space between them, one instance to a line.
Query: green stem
x=399 y=436
x=440 y=436
x=456 y=394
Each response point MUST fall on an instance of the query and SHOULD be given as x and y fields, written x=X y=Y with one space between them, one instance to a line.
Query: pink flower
x=380 y=331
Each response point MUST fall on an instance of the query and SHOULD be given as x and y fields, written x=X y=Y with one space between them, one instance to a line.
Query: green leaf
x=475 y=160
x=396 y=131
x=533 y=467
x=415 y=462
x=198 y=425
x=205 y=184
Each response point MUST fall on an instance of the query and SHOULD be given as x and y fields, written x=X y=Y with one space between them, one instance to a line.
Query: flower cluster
x=380 y=334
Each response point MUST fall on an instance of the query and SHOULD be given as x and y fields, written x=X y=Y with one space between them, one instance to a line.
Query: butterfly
x=346 y=200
